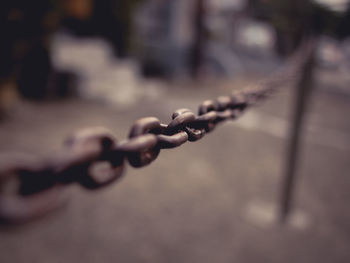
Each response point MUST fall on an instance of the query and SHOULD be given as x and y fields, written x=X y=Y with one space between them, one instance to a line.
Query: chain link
x=94 y=159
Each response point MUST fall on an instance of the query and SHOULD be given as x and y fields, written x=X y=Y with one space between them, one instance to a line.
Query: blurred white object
x=333 y=60
x=256 y=36
x=329 y=54
x=335 y=5
x=235 y=5
x=81 y=56
x=265 y=215
x=100 y=74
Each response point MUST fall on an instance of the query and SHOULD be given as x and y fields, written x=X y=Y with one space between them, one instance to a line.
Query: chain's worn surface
x=93 y=158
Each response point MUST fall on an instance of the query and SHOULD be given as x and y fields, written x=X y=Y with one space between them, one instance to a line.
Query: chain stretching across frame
x=93 y=158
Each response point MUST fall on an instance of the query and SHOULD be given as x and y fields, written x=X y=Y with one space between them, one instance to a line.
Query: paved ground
x=210 y=201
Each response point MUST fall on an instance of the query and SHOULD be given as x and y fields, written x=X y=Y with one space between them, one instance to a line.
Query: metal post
x=302 y=99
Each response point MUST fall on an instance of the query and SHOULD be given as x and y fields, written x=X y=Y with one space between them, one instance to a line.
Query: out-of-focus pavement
x=209 y=201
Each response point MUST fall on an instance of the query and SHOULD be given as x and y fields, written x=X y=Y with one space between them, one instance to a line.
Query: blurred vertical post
x=197 y=50
x=302 y=99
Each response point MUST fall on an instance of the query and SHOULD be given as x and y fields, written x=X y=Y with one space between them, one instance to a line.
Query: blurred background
x=71 y=64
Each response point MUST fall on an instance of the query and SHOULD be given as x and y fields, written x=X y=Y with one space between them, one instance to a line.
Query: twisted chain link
x=94 y=159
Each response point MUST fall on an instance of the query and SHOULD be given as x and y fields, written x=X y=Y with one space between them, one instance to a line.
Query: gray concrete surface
x=210 y=201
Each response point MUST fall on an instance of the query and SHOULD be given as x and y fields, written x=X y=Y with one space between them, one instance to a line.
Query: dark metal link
x=147 y=150
x=195 y=134
x=90 y=161
x=17 y=209
x=172 y=141
x=223 y=103
x=206 y=117
x=181 y=118
x=254 y=96
x=239 y=100
x=145 y=125
x=207 y=106
x=223 y=115
x=93 y=158
x=138 y=144
x=27 y=189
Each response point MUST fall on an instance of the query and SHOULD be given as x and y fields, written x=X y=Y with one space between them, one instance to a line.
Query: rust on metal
x=94 y=159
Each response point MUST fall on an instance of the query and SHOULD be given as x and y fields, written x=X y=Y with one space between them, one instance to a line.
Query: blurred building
x=168 y=38
x=165 y=32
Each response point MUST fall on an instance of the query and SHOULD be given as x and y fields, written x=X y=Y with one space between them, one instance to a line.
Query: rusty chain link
x=93 y=158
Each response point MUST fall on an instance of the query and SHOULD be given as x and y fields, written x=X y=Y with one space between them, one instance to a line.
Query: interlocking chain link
x=94 y=159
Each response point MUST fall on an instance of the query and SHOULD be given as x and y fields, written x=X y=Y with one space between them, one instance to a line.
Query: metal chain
x=94 y=159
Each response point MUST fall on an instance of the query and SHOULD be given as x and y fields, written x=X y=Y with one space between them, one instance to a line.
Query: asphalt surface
x=215 y=200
